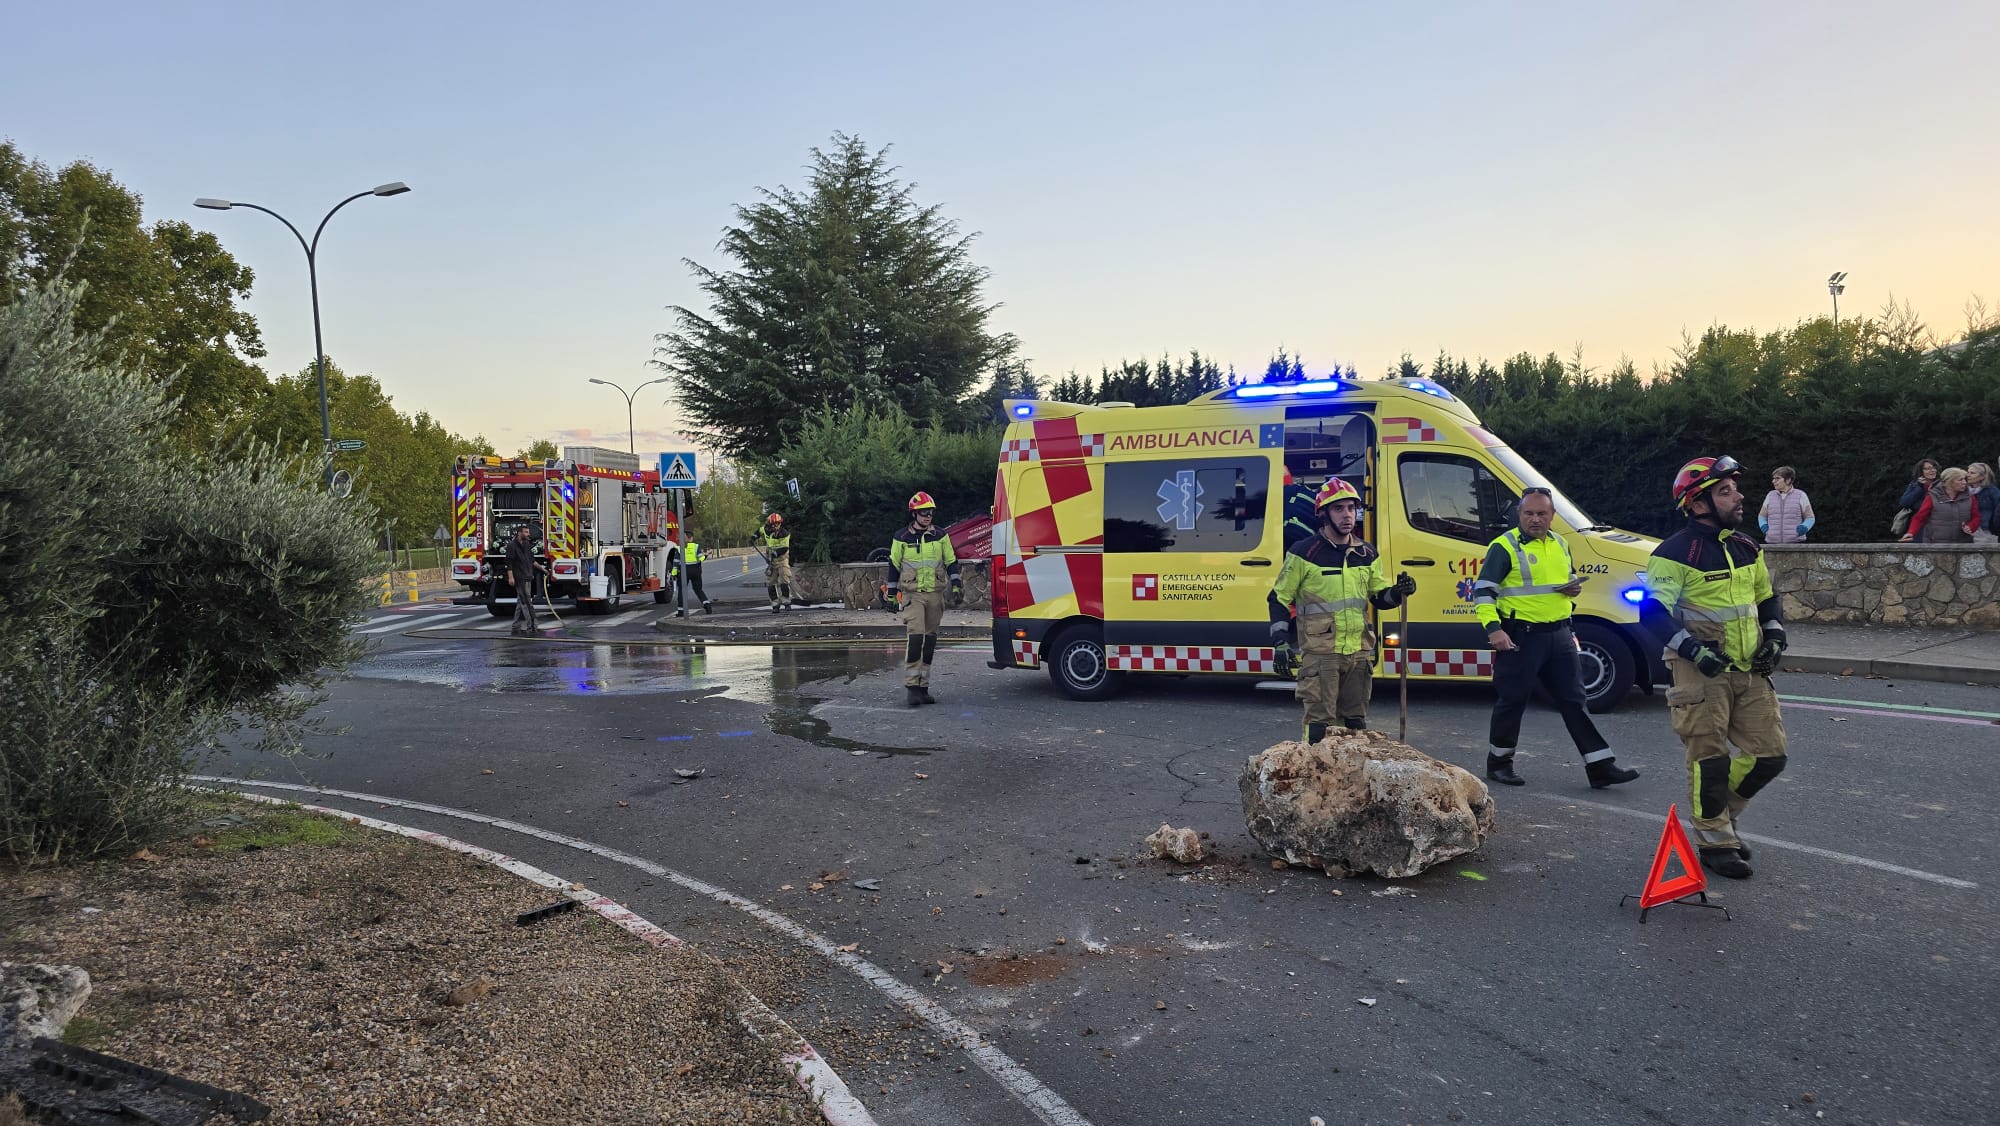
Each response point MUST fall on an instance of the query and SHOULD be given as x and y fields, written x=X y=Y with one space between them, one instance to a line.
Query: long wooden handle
x=1403 y=667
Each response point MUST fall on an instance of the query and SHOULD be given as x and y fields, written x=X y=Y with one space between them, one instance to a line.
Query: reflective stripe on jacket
x=1713 y=584
x=691 y=551
x=915 y=558
x=777 y=547
x=1331 y=586
x=1520 y=578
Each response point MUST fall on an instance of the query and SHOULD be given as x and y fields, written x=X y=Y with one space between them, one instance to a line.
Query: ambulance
x=1133 y=540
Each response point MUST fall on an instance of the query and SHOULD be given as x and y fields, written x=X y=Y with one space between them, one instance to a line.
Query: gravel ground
x=306 y=962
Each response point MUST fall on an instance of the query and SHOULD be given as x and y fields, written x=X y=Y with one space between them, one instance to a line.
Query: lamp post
x=631 y=442
x=1834 y=286
x=312 y=274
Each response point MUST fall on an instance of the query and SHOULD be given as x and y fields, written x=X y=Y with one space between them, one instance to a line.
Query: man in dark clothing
x=521 y=568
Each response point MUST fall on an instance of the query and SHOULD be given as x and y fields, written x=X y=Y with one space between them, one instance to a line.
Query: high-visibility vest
x=1324 y=580
x=915 y=558
x=692 y=553
x=1538 y=569
x=1715 y=596
x=776 y=546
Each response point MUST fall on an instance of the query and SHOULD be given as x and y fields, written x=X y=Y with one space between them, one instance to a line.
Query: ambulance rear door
x=1191 y=549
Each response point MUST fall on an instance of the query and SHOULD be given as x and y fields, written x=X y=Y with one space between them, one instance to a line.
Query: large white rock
x=1358 y=801
x=38 y=1000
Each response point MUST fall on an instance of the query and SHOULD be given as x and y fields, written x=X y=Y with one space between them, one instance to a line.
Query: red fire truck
x=604 y=526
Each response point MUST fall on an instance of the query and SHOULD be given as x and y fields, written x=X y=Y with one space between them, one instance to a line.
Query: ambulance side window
x=1454 y=496
x=1215 y=504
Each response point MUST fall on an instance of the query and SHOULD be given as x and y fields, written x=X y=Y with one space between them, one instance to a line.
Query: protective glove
x=1405 y=585
x=957 y=593
x=1764 y=659
x=1281 y=659
x=892 y=597
x=1705 y=657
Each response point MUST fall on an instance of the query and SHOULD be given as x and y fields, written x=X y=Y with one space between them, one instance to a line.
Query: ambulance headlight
x=1633 y=594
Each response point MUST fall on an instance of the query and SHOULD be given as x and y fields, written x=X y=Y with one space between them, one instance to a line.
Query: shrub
x=152 y=603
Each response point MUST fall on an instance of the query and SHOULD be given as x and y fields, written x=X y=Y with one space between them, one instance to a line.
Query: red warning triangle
x=1673 y=843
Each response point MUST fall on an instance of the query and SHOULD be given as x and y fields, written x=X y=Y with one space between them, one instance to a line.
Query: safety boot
x=707 y=607
x=1606 y=772
x=912 y=695
x=774 y=607
x=1500 y=768
x=1725 y=862
x=1315 y=732
x=928 y=698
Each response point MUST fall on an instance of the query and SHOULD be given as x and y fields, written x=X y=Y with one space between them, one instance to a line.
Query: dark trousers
x=524 y=601
x=1546 y=656
x=693 y=571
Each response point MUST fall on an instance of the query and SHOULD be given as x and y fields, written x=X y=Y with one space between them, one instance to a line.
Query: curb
x=1892 y=668
x=808 y=1069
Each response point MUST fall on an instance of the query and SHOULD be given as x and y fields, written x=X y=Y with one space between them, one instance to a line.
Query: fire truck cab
x=604 y=527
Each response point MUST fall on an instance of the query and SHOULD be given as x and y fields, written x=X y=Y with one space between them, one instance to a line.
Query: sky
x=1348 y=181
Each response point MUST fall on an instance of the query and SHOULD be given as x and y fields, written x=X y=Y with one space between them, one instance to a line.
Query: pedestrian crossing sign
x=677 y=470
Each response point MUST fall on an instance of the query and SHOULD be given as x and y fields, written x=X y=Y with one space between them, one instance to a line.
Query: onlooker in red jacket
x=1948 y=515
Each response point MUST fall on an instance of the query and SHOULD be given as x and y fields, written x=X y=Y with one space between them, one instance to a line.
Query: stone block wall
x=855 y=585
x=1945 y=585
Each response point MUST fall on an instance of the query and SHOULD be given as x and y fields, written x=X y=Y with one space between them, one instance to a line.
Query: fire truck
x=604 y=527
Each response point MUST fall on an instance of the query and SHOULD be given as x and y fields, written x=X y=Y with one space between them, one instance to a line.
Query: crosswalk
x=477 y=619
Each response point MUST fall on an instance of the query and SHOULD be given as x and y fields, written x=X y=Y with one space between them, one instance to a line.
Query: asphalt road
x=1854 y=983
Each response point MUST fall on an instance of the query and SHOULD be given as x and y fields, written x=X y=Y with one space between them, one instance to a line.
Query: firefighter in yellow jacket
x=774 y=542
x=1709 y=599
x=916 y=557
x=1330 y=580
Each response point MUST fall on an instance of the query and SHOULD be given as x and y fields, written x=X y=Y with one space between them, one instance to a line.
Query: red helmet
x=921 y=500
x=774 y=518
x=1335 y=489
x=1701 y=474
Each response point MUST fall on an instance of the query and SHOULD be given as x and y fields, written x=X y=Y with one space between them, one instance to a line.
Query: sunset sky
x=1349 y=181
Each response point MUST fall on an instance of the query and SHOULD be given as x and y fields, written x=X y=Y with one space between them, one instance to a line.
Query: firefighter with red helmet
x=1330 y=580
x=1710 y=601
x=774 y=542
x=921 y=562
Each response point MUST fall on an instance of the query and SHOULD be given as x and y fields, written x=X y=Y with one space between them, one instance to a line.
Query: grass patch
x=276 y=828
x=88 y=1032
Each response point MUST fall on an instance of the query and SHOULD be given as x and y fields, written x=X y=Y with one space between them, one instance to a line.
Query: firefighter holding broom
x=1330 y=580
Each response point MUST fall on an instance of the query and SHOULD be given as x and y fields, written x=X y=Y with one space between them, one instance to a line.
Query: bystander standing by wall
x=1786 y=514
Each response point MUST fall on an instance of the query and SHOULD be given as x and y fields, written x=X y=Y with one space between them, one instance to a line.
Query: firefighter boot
x=1500 y=768
x=1725 y=862
x=1315 y=732
x=1606 y=772
x=926 y=690
x=1355 y=722
x=912 y=695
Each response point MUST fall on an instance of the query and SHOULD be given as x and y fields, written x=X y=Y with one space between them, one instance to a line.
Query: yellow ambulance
x=1146 y=539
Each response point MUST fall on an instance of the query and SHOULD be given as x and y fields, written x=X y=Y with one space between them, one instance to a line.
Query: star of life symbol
x=1181 y=500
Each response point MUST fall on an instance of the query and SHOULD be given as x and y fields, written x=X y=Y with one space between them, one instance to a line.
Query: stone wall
x=1952 y=585
x=855 y=585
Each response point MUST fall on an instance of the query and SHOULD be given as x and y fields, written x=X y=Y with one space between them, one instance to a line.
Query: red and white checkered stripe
x=1442 y=662
x=1024 y=654
x=1029 y=449
x=1407 y=430
x=1188 y=658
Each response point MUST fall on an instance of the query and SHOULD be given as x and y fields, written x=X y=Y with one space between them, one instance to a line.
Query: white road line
x=414 y=621
x=807 y=1067
x=1758 y=839
x=1029 y=1091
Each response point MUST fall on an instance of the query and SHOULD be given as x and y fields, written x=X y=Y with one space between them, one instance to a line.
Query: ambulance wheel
x=1606 y=666
x=1078 y=667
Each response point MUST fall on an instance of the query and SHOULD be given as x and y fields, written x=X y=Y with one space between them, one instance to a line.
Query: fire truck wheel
x=494 y=607
x=1077 y=664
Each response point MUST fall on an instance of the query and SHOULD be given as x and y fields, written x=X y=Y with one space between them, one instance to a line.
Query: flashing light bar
x=1274 y=390
x=1024 y=410
x=1425 y=386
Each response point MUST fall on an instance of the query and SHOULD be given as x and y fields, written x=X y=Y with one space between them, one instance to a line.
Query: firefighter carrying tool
x=774 y=542
x=1709 y=599
x=919 y=551
x=1331 y=580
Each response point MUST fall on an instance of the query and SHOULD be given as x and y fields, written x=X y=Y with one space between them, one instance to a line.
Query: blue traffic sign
x=677 y=469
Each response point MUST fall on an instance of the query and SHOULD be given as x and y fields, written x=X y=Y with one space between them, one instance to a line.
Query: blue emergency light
x=1425 y=386
x=1305 y=387
x=1024 y=410
x=1633 y=594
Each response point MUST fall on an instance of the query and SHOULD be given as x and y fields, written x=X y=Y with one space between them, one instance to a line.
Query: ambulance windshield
x=1566 y=508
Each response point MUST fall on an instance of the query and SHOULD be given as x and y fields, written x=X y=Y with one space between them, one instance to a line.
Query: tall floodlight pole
x=631 y=443
x=1835 y=286
x=312 y=274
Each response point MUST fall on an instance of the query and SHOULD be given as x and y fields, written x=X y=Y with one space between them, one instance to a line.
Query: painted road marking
x=1890 y=707
x=418 y=622
x=1893 y=715
x=1757 y=839
x=1016 y=1080
x=807 y=1067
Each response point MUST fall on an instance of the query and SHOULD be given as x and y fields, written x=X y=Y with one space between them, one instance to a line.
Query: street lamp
x=1834 y=286
x=631 y=443
x=312 y=273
